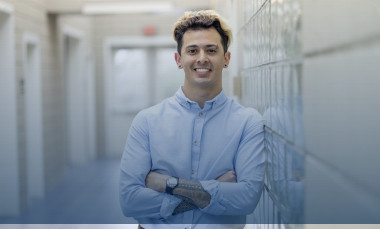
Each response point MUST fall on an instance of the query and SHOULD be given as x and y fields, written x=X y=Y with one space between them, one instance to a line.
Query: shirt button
x=200 y=114
x=195 y=143
x=192 y=172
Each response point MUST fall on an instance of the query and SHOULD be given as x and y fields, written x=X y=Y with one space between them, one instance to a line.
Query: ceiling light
x=119 y=7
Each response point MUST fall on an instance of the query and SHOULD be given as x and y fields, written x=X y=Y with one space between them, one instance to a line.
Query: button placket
x=196 y=146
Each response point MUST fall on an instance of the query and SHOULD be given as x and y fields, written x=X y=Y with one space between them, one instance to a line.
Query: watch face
x=171 y=182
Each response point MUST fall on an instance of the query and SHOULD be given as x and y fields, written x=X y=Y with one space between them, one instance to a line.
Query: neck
x=200 y=95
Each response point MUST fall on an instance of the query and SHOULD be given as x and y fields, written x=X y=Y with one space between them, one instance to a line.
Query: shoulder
x=249 y=117
x=247 y=113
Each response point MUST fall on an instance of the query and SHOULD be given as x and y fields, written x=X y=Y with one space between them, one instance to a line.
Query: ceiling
x=76 y=6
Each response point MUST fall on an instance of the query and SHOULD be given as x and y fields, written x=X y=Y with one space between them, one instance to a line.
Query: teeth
x=202 y=69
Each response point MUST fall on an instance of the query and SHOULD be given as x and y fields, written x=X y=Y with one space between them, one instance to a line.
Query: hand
x=229 y=176
x=156 y=181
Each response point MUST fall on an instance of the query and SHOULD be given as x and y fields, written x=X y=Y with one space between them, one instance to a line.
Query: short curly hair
x=203 y=19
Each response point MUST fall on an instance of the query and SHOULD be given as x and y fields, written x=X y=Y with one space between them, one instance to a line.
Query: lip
x=202 y=71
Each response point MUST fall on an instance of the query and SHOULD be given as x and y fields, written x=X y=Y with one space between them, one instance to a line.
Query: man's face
x=202 y=58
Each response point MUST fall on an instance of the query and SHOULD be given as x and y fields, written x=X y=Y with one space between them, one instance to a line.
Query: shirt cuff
x=215 y=206
x=168 y=205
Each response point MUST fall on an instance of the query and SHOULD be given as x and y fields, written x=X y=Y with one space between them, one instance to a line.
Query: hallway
x=88 y=195
x=74 y=73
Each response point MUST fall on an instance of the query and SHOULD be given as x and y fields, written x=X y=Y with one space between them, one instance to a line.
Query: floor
x=88 y=195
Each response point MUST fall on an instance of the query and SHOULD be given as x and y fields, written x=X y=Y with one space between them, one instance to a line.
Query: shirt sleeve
x=242 y=197
x=135 y=199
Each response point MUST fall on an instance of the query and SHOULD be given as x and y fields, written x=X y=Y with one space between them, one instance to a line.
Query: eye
x=212 y=51
x=192 y=51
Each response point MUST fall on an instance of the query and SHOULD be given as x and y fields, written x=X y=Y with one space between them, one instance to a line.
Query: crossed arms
x=191 y=192
x=142 y=192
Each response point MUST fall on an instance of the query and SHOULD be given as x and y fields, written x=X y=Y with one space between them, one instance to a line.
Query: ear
x=227 y=58
x=177 y=57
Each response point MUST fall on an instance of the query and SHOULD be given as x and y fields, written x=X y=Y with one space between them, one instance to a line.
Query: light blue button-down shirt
x=178 y=138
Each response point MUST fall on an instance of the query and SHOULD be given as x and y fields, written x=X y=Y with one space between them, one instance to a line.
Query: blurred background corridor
x=74 y=73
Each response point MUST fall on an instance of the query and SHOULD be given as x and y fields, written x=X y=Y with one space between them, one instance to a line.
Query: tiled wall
x=271 y=71
x=311 y=69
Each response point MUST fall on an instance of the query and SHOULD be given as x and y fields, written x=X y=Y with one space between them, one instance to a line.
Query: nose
x=202 y=58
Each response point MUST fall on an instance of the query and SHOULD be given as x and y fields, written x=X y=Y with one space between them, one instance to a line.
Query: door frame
x=109 y=45
x=76 y=143
x=33 y=116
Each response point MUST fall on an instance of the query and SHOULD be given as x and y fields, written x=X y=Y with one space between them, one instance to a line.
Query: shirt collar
x=188 y=104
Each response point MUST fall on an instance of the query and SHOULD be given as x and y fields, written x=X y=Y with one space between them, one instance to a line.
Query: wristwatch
x=171 y=184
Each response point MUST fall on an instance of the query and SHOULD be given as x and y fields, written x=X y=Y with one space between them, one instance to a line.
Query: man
x=198 y=157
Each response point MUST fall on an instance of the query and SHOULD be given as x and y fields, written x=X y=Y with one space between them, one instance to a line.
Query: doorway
x=33 y=117
x=139 y=72
x=73 y=60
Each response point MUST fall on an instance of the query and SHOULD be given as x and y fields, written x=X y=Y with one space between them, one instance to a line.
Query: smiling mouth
x=202 y=69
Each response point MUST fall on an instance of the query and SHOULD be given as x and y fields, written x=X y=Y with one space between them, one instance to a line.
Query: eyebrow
x=207 y=46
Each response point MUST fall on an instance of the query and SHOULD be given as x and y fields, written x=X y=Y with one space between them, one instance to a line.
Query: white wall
x=9 y=161
x=30 y=17
x=341 y=110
